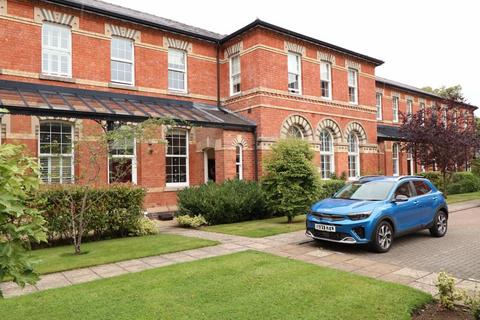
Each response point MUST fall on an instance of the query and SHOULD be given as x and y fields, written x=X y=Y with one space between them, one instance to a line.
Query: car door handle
x=434 y=198
x=415 y=202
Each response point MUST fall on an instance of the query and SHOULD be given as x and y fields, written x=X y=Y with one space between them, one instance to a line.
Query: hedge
x=113 y=211
x=230 y=201
x=464 y=182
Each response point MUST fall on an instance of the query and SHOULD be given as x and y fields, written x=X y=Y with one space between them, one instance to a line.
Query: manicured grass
x=100 y=252
x=455 y=198
x=259 y=228
x=247 y=285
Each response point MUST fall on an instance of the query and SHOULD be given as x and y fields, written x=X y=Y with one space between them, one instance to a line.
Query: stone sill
x=48 y=77
x=122 y=86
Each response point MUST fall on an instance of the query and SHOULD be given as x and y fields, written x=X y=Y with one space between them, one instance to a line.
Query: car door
x=427 y=201
x=405 y=211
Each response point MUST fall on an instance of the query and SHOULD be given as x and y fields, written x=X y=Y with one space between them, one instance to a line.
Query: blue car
x=376 y=209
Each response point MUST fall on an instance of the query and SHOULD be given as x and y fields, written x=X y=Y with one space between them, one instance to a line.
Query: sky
x=423 y=42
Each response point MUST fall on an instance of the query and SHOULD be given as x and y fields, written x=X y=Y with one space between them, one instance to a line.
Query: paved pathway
x=407 y=262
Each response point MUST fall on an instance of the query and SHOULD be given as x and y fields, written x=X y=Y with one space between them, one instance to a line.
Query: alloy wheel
x=441 y=223
x=384 y=236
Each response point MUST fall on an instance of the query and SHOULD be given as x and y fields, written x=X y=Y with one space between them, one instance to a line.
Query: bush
x=231 y=201
x=191 y=222
x=144 y=227
x=473 y=302
x=435 y=177
x=464 y=182
x=448 y=294
x=291 y=181
x=112 y=211
x=327 y=188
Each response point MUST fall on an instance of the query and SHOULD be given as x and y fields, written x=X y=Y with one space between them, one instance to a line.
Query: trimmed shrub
x=112 y=211
x=464 y=182
x=144 y=227
x=191 y=222
x=291 y=180
x=231 y=201
x=326 y=188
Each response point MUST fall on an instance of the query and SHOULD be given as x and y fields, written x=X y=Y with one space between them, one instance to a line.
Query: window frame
x=46 y=70
x=355 y=72
x=395 y=159
x=185 y=72
x=329 y=81
x=132 y=62
x=409 y=108
x=60 y=155
x=239 y=74
x=330 y=154
x=187 y=161
x=355 y=154
x=395 y=109
x=379 y=105
x=299 y=74
x=134 y=162
x=239 y=163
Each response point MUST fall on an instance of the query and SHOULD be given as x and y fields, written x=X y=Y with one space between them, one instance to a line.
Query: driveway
x=457 y=253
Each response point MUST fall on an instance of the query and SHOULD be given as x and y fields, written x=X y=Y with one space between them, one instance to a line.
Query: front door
x=209 y=165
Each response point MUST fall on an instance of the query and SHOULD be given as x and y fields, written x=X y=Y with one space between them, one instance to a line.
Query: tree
x=291 y=181
x=453 y=93
x=20 y=224
x=437 y=138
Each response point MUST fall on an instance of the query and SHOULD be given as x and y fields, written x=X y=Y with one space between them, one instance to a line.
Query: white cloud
x=423 y=43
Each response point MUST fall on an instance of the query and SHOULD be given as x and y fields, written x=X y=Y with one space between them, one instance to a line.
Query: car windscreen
x=370 y=191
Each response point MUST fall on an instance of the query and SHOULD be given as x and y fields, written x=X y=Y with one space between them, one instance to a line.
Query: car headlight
x=360 y=215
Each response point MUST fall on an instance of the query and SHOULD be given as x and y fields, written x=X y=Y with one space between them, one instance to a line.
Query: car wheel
x=440 y=224
x=383 y=237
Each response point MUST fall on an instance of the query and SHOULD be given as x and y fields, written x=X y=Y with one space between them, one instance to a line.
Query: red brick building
x=70 y=69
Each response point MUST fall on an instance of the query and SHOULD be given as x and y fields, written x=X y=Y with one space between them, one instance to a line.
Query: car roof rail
x=362 y=178
x=405 y=177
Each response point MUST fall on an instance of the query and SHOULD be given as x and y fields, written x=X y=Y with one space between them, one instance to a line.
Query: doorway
x=209 y=164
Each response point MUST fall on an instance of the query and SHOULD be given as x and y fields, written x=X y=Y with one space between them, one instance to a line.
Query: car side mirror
x=400 y=198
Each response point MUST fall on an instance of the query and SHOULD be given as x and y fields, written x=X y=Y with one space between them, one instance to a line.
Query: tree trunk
x=444 y=178
x=289 y=219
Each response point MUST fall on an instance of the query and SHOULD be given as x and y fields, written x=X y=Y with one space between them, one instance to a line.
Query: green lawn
x=100 y=252
x=247 y=285
x=259 y=228
x=455 y=198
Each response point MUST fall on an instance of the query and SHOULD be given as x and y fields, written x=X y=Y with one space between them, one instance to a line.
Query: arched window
x=295 y=132
x=239 y=161
x=395 y=159
x=326 y=154
x=177 y=157
x=56 y=152
x=353 y=156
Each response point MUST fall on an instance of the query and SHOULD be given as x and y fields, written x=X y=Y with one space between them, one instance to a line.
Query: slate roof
x=385 y=132
x=48 y=100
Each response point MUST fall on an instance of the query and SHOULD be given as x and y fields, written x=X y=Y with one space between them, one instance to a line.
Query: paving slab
x=108 y=270
x=50 y=281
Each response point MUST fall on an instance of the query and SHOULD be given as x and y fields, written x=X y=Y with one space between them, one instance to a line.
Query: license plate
x=325 y=227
